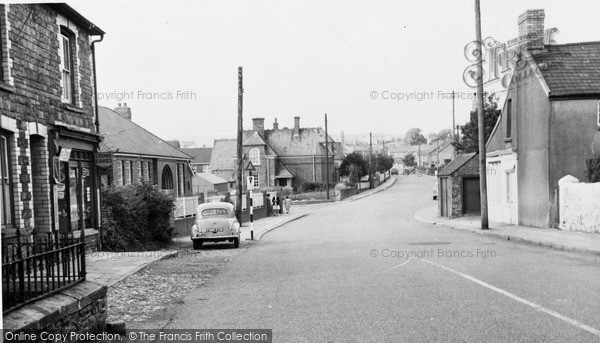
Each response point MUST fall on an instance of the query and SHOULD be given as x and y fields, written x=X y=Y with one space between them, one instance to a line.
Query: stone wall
x=81 y=307
x=579 y=205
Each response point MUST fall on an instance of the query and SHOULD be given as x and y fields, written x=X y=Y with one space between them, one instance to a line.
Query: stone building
x=280 y=157
x=132 y=154
x=49 y=131
x=458 y=187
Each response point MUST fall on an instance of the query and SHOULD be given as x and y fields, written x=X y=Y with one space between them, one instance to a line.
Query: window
x=509 y=118
x=3 y=44
x=256 y=183
x=254 y=156
x=167 y=178
x=138 y=166
x=66 y=65
x=5 y=178
x=180 y=179
x=121 y=173
x=147 y=169
x=127 y=173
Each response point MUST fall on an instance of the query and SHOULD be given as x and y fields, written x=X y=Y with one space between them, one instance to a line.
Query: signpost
x=250 y=187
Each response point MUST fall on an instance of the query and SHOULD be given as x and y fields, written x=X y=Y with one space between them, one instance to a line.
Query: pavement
x=108 y=268
x=579 y=242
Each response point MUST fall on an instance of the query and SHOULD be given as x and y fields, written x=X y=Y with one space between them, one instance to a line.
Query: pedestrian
x=287 y=203
x=276 y=202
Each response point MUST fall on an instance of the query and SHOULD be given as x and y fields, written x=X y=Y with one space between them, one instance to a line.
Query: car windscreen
x=214 y=212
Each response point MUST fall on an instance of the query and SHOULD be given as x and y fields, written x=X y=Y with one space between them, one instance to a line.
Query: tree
x=469 y=139
x=445 y=136
x=355 y=166
x=409 y=160
x=432 y=137
x=383 y=163
x=414 y=137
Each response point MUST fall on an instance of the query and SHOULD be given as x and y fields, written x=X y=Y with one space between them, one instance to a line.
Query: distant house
x=200 y=162
x=280 y=157
x=138 y=155
x=458 y=187
x=548 y=127
x=440 y=156
x=208 y=183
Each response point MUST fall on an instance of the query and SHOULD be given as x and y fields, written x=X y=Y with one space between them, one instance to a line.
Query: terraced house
x=49 y=126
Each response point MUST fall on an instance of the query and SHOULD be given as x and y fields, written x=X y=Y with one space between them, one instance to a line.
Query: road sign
x=250 y=182
x=250 y=166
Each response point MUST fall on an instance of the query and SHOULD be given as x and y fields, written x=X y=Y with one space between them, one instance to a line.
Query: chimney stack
x=296 y=123
x=275 y=125
x=531 y=30
x=258 y=125
x=124 y=111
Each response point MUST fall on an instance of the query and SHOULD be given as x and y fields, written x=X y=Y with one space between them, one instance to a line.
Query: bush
x=344 y=185
x=593 y=168
x=283 y=191
x=314 y=195
x=136 y=218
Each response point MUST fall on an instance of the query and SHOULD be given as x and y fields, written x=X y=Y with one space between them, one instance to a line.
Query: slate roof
x=571 y=69
x=199 y=155
x=456 y=164
x=211 y=178
x=124 y=136
x=283 y=172
x=223 y=154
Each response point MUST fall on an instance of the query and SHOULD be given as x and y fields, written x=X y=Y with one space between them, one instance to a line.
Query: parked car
x=394 y=171
x=215 y=222
x=435 y=191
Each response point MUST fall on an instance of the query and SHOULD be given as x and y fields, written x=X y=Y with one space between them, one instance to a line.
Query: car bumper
x=215 y=238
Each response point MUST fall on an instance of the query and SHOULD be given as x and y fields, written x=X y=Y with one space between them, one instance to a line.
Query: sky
x=372 y=66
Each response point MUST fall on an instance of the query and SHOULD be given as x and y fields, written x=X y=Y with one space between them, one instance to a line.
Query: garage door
x=471 y=196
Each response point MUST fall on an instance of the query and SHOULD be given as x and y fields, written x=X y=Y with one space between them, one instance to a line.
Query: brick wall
x=40 y=185
x=81 y=307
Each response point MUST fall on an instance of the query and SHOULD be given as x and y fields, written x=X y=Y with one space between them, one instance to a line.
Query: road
x=342 y=275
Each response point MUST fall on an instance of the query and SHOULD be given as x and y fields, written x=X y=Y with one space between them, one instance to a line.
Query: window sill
x=73 y=108
x=6 y=87
x=508 y=140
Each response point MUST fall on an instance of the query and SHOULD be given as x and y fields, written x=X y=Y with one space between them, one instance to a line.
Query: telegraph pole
x=370 y=161
x=240 y=162
x=454 y=136
x=326 y=159
x=481 y=121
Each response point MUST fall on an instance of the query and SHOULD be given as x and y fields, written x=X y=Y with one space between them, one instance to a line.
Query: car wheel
x=236 y=242
x=197 y=244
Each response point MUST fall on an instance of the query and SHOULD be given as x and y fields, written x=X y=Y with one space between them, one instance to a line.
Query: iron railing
x=34 y=270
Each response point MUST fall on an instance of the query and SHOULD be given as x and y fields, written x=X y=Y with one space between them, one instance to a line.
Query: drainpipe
x=97 y=124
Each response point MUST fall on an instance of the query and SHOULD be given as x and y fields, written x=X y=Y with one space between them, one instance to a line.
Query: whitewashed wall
x=579 y=205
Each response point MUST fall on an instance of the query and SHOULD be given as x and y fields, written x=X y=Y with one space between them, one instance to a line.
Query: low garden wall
x=579 y=205
x=80 y=307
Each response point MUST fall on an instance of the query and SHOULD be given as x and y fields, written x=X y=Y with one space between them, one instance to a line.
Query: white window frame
x=256 y=181
x=67 y=77
x=254 y=155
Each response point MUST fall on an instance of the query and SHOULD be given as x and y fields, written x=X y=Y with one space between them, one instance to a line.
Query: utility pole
x=454 y=136
x=370 y=161
x=326 y=159
x=481 y=121
x=240 y=162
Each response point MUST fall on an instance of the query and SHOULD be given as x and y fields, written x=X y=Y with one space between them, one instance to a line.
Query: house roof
x=571 y=69
x=283 y=172
x=77 y=18
x=456 y=164
x=124 y=136
x=199 y=155
x=223 y=154
x=308 y=141
x=211 y=178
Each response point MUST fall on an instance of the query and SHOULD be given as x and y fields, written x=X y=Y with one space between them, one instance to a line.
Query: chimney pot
x=124 y=111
